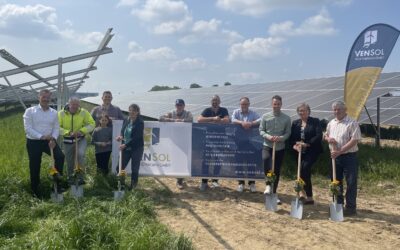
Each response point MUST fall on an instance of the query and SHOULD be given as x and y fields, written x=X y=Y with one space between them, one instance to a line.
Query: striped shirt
x=343 y=131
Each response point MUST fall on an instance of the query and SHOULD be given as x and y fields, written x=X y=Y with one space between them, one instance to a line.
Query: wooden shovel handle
x=52 y=156
x=333 y=165
x=299 y=163
x=273 y=157
x=120 y=162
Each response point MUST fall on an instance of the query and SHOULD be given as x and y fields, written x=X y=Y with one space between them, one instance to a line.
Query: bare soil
x=222 y=218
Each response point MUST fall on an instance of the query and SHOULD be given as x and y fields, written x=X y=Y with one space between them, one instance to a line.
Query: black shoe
x=81 y=182
x=349 y=212
x=60 y=190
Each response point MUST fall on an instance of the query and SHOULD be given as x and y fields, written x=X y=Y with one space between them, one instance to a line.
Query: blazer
x=312 y=132
x=137 y=139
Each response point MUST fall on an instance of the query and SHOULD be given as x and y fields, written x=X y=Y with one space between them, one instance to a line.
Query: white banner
x=167 y=149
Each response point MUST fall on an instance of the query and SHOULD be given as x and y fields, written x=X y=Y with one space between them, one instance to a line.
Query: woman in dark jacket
x=307 y=132
x=132 y=142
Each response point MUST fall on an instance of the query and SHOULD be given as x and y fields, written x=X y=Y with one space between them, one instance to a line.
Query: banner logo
x=370 y=37
x=151 y=136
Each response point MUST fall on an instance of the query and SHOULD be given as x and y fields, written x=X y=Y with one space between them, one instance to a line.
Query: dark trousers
x=307 y=161
x=102 y=160
x=347 y=167
x=267 y=161
x=135 y=155
x=35 y=150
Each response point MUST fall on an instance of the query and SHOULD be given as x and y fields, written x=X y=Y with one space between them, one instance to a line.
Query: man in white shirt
x=343 y=134
x=41 y=129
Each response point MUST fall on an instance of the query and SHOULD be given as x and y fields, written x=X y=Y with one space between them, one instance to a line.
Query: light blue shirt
x=250 y=116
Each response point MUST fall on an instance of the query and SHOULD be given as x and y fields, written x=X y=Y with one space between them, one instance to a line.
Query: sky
x=177 y=43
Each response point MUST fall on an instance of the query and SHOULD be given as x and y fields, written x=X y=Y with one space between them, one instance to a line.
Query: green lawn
x=94 y=222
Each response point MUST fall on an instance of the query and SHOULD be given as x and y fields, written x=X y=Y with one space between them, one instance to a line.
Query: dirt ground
x=222 y=218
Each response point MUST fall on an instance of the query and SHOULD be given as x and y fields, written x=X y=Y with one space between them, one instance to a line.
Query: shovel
x=119 y=194
x=76 y=190
x=297 y=205
x=271 y=200
x=55 y=196
x=335 y=209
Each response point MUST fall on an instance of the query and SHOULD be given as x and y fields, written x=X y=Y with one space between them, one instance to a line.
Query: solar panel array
x=318 y=93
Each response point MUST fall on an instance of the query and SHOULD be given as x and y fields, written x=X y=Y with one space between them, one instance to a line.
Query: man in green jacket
x=75 y=124
x=275 y=127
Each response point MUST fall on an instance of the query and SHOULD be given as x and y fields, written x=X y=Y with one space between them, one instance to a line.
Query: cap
x=179 y=102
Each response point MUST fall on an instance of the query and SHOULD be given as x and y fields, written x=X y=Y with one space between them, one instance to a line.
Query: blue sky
x=208 y=42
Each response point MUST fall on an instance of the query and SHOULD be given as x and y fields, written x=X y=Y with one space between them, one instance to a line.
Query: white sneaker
x=278 y=201
x=240 y=188
x=268 y=189
x=215 y=184
x=203 y=186
x=253 y=188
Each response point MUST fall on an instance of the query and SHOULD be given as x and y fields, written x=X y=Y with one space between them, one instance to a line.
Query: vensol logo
x=370 y=38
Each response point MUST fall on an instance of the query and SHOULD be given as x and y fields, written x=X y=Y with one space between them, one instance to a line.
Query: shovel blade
x=118 y=195
x=56 y=197
x=336 y=211
x=77 y=191
x=297 y=209
x=271 y=202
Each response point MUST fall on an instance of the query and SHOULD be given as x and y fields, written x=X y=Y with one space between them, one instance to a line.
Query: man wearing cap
x=178 y=115
x=214 y=114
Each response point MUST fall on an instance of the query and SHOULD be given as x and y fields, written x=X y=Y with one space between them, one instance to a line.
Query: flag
x=367 y=57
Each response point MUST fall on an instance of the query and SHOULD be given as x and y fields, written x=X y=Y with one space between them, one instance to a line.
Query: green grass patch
x=94 y=222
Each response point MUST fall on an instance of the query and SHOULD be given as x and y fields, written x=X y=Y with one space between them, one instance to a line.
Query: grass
x=94 y=222
x=97 y=222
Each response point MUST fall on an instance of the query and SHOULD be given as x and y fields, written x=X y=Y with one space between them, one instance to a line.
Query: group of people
x=43 y=125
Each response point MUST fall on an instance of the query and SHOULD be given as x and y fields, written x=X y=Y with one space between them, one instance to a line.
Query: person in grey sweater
x=102 y=140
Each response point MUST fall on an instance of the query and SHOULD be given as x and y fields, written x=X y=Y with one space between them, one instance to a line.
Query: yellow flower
x=122 y=173
x=78 y=169
x=270 y=174
x=335 y=182
x=301 y=182
x=53 y=171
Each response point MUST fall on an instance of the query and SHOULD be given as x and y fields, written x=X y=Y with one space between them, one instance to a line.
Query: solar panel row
x=318 y=93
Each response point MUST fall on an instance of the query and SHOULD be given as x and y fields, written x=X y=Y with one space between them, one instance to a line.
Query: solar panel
x=318 y=93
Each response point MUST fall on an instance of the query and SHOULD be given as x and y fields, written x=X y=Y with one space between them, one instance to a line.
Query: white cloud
x=132 y=45
x=188 y=64
x=320 y=24
x=210 y=31
x=28 y=21
x=158 y=54
x=256 y=49
x=165 y=16
x=246 y=76
x=171 y=27
x=122 y=3
x=40 y=22
x=89 y=39
x=260 y=7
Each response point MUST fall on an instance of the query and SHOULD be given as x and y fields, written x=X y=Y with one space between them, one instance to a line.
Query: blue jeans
x=347 y=166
